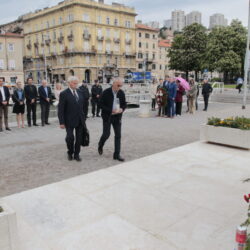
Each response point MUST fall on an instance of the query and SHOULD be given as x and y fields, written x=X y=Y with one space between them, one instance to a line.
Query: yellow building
x=80 y=37
x=11 y=57
x=147 y=49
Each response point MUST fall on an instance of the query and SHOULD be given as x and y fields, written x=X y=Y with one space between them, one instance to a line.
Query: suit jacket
x=43 y=95
x=30 y=93
x=15 y=97
x=70 y=112
x=106 y=102
x=85 y=91
x=7 y=95
x=96 y=90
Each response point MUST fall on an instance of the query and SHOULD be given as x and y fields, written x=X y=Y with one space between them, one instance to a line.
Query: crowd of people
x=168 y=95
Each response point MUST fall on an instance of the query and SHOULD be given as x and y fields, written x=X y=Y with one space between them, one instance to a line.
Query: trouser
x=95 y=107
x=161 y=111
x=4 y=113
x=196 y=103
x=191 y=105
x=45 y=107
x=206 y=98
x=31 y=107
x=74 y=141
x=115 y=121
x=153 y=103
x=178 y=108
x=171 y=107
x=86 y=108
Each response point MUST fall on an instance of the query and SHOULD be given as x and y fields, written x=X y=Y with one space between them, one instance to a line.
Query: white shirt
x=3 y=93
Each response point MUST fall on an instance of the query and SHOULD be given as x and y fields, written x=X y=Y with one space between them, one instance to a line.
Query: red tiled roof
x=164 y=43
x=145 y=27
x=9 y=34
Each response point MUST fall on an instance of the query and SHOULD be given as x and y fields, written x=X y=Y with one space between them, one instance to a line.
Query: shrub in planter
x=232 y=122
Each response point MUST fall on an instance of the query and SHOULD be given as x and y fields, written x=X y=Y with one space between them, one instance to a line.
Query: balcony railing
x=60 y=39
x=128 y=41
x=29 y=46
x=110 y=65
x=109 y=52
x=36 y=44
x=117 y=40
x=86 y=36
x=100 y=38
x=71 y=37
x=47 y=42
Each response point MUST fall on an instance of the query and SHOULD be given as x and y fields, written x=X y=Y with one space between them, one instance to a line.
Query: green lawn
x=230 y=86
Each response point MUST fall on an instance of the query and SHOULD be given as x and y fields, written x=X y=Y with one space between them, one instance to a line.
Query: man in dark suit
x=113 y=104
x=71 y=117
x=31 y=98
x=96 y=92
x=85 y=90
x=4 y=102
x=45 y=95
x=206 y=91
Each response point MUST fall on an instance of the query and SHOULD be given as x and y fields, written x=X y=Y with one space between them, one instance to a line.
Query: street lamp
x=246 y=67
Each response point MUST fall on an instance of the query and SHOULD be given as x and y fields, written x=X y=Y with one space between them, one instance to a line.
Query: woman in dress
x=19 y=107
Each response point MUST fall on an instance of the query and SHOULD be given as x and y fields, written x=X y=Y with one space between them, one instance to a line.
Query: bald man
x=113 y=104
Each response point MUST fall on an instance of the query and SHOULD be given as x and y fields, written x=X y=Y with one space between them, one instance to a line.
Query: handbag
x=85 y=136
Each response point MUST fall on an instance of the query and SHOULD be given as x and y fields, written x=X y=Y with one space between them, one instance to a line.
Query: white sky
x=157 y=10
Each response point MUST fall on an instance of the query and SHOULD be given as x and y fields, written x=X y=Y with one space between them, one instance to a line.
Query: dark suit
x=106 y=104
x=86 y=94
x=4 y=108
x=31 y=93
x=206 y=91
x=70 y=114
x=45 y=105
x=95 y=101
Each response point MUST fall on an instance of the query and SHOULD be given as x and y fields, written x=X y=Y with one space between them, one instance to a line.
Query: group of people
x=168 y=95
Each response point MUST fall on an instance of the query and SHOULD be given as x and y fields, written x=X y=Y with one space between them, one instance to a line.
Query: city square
x=124 y=125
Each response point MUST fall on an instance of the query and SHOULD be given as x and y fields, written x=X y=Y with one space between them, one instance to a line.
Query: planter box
x=226 y=136
x=144 y=108
x=8 y=229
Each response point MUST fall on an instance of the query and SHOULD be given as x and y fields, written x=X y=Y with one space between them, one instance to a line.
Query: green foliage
x=226 y=48
x=237 y=122
x=188 y=49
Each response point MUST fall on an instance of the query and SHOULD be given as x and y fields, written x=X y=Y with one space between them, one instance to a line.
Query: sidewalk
x=190 y=197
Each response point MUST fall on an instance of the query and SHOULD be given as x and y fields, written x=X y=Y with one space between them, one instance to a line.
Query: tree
x=226 y=50
x=188 y=49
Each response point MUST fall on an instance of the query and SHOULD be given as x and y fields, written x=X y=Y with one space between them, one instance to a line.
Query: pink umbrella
x=183 y=83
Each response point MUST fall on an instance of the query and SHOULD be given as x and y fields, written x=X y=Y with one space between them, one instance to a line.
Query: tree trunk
x=225 y=77
x=187 y=75
x=196 y=76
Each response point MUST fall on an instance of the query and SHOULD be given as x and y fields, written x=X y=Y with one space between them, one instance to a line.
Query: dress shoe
x=70 y=157
x=78 y=158
x=47 y=123
x=8 y=129
x=36 y=125
x=43 y=125
x=204 y=110
x=118 y=158
x=100 y=150
x=98 y=116
x=29 y=125
x=1 y=130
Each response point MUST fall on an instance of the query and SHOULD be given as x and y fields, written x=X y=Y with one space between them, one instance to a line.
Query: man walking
x=4 y=102
x=71 y=117
x=85 y=90
x=206 y=91
x=113 y=104
x=96 y=92
x=31 y=98
x=45 y=94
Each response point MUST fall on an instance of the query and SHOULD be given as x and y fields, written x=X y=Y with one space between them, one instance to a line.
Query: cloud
x=157 y=10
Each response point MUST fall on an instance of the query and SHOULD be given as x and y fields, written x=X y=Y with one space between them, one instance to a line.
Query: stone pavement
x=190 y=197
x=33 y=157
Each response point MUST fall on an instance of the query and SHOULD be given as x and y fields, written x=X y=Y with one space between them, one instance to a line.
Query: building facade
x=167 y=23
x=193 y=17
x=163 y=59
x=217 y=20
x=147 y=49
x=11 y=57
x=178 y=20
x=89 y=39
x=154 y=24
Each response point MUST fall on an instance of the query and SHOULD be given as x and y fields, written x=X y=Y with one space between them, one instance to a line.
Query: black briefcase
x=85 y=136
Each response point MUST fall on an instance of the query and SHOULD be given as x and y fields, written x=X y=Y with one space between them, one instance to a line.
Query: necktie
x=76 y=97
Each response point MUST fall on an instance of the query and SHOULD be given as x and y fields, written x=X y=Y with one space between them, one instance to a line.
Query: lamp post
x=246 y=67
